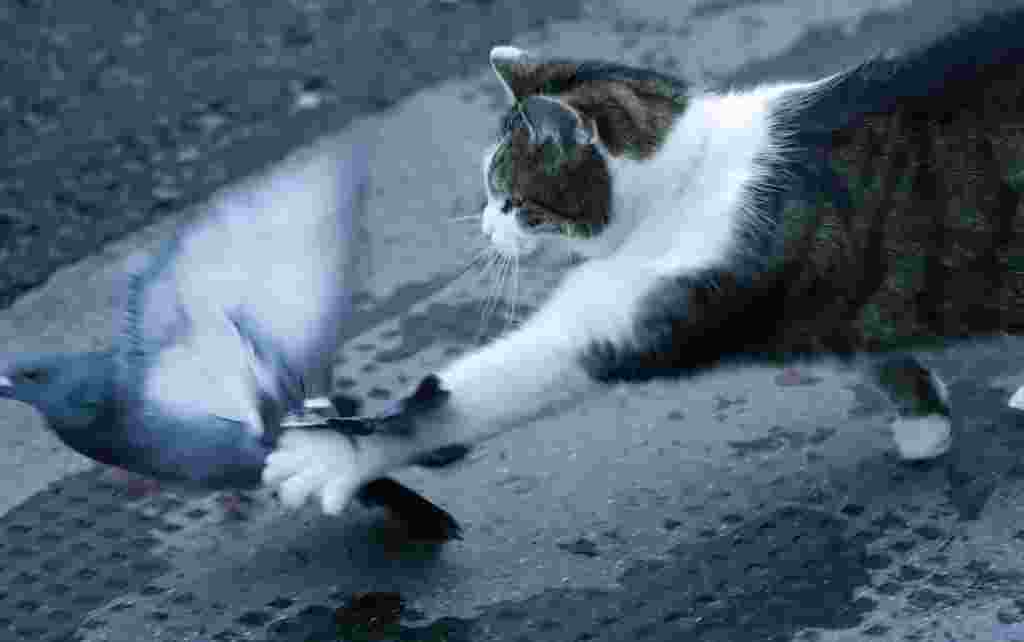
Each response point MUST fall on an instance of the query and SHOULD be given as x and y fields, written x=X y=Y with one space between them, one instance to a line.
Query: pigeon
x=228 y=331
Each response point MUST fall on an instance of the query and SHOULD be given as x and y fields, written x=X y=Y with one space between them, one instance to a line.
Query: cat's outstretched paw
x=314 y=464
x=920 y=438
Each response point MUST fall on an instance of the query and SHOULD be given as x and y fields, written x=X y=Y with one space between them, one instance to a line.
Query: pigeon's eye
x=33 y=376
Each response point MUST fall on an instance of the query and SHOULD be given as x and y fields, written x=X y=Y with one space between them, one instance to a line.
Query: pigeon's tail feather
x=424 y=519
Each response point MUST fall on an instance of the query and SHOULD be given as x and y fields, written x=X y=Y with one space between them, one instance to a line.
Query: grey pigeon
x=226 y=329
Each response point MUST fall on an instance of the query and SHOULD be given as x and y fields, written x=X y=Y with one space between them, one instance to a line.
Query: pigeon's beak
x=6 y=387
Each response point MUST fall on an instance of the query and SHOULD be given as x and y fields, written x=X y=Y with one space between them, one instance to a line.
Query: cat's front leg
x=531 y=371
x=342 y=457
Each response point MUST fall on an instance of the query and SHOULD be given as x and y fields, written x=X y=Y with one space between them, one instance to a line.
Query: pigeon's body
x=92 y=415
x=227 y=329
x=224 y=326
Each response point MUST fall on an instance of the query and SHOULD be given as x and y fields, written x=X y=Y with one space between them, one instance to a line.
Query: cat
x=864 y=215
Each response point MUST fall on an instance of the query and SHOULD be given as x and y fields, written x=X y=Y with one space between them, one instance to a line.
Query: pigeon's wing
x=244 y=308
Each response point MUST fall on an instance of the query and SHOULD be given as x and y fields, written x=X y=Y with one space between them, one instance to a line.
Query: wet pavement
x=746 y=505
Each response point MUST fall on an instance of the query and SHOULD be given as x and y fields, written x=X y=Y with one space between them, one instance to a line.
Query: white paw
x=922 y=437
x=1017 y=400
x=313 y=464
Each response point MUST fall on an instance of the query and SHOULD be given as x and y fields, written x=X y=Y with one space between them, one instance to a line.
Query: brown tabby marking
x=632 y=114
x=932 y=244
x=579 y=191
x=529 y=77
x=632 y=117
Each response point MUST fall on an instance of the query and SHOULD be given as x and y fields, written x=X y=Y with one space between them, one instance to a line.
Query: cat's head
x=550 y=175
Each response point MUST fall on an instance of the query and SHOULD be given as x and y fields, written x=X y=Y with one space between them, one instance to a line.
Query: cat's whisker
x=483 y=256
x=498 y=293
x=514 y=315
x=497 y=288
x=507 y=281
x=492 y=262
x=485 y=272
x=482 y=260
x=472 y=263
x=468 y=217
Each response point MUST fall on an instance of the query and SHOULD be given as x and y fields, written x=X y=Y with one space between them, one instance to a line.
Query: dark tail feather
x=425 y=520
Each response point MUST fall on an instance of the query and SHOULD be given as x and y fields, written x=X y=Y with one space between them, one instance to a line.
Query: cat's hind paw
x=920 y=438
x=311 y=464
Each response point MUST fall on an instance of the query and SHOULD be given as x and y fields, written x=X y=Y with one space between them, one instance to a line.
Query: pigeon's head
x=69 y=390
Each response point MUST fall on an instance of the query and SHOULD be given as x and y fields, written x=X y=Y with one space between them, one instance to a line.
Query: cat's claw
x=329 y=465
x=314 y=464
x=400 y=418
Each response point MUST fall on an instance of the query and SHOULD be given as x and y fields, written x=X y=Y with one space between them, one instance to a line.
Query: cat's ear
x=523 y=75
x=513 y=67
x=631 y=115
x=551 y=119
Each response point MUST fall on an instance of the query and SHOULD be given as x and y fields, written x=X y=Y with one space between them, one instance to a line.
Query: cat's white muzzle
x=504 y=233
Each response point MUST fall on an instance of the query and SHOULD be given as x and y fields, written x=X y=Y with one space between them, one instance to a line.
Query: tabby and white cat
x=868 y=213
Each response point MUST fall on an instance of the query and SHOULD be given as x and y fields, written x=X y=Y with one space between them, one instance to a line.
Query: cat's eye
x=530 y=218
x=528 y=214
